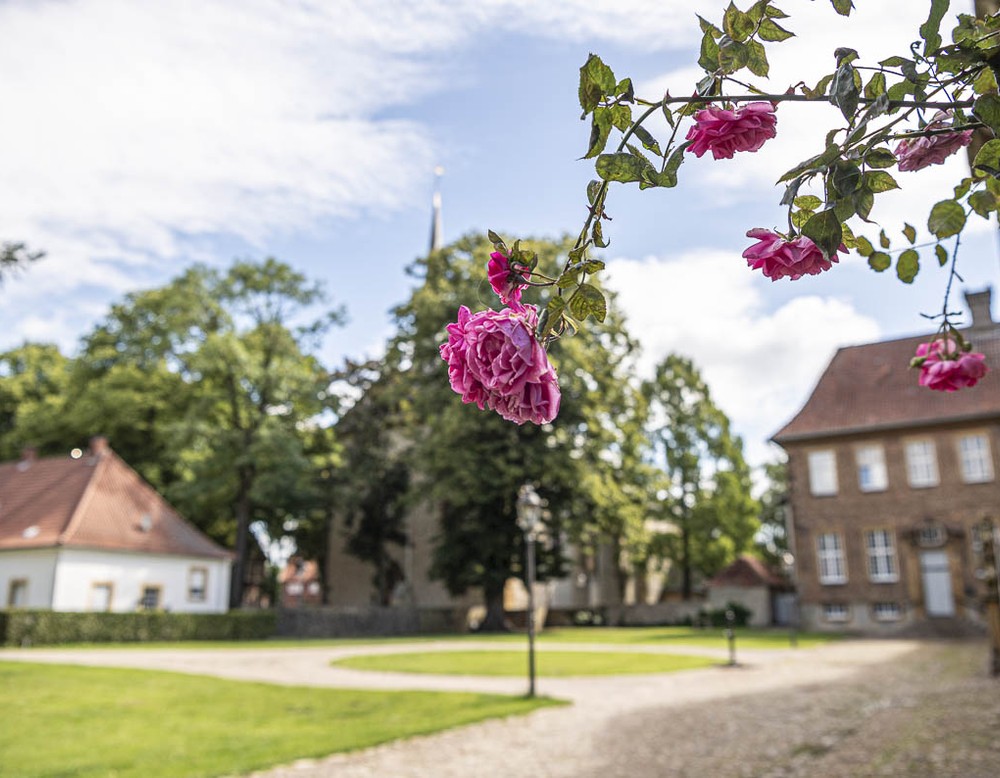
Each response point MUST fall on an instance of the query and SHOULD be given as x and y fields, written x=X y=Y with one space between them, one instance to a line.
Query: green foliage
x=15 y=256
x=45 y=627
x=704 y=484
x=719 y=617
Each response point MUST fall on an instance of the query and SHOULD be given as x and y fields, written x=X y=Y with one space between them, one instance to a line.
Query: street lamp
x=529 y=518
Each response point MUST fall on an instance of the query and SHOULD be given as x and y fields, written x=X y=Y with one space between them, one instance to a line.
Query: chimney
x=979 y=306
x=98 y=446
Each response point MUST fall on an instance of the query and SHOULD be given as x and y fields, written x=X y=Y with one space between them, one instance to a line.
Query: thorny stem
x=784 y=98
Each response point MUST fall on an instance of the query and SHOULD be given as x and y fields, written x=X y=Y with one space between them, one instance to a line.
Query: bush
x=43 y=627
x=717 y=616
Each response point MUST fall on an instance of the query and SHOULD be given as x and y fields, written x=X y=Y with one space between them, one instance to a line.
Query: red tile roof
x=870 y=387
x=748 y=571
x=93 y=501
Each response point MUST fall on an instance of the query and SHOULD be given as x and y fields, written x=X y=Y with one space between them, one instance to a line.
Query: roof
x=747 y=571
x=870 y=387
x=93 y=501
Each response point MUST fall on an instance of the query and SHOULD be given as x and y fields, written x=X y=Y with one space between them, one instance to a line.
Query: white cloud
x=760 y=364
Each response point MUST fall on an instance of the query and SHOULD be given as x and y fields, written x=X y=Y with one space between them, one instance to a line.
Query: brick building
x=887 y=482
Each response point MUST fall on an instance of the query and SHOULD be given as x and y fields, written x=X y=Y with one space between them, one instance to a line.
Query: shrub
x=44 y=627
x=717 y=616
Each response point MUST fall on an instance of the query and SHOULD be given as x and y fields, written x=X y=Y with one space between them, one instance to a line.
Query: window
x=197 y=584
x=887 y=611
x=830 y=556
x=835 y=611
x=974 y=456
x=822 y=473
x=881 y=556
x=17 y=593
x=871 y=469
x=150 y=599
x=101 y=595
x=921 y=463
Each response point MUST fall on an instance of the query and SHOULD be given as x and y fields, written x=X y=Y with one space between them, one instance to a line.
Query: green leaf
x=586 y=301
x=941 y=254
x=845 y=177
x=757 y=59
x=987 y=110
x=625 y=90
x=820 y=89
x=879 y=158
x=592 y=190
x=600 y=129
x=707 y=26
x=863 y=201
x=876 y=86
x=733 y=55
x=496 y=240
x=597 y=234
x=668 y=176
x=843 y=7
x=772 y=32
x=983 y=202
x=988 y=157
x=597 y=81
x=813 y=163
x=808 y=202
x=555 y=308
x=907 y=266
x=947 y=218
x=569 y=278
x=879 y=261
x=844 y=208
x=910 y=233
x=930 y=30
x=894 y=62
x=883 y=239
x=647 y=140
x=963 y=187
x=845 y=54
x=985 y=82
x=865 y=247
x=737 y=24
x=900 y=90
x=844 y=91
x=825 y=231
x=621 y=116
x=593 y=266
x=880 y=181
x=620 y=167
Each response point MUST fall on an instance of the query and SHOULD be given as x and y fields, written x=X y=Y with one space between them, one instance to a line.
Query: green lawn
x=80 y=721
x=550 y=664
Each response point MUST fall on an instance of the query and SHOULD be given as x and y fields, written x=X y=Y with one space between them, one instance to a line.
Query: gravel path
x=857 y=708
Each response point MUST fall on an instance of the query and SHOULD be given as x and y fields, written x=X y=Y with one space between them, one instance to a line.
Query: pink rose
x=945 y=369
x=505 y=281
x=780 y=258
x=918 y=153
x=724 y=132
x=495 y=361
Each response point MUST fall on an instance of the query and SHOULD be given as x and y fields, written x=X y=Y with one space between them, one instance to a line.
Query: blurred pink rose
x=724 y=132
x=780 y=258
x=495 y=361
x=945 y=369
x=505 y=282
x=918 y=153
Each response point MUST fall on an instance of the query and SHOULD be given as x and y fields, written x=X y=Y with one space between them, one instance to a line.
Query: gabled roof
x=748 y=571
x=92 y=501
x=871 y=387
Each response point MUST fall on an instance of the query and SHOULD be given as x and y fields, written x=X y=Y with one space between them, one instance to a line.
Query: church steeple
x=437 y=241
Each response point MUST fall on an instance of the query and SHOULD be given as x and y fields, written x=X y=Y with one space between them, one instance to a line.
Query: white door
x=937 y=583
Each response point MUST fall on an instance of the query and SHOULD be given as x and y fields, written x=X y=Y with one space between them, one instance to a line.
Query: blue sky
x=144 y=137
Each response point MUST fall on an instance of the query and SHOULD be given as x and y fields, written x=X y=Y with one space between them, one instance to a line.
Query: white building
x=86 y=533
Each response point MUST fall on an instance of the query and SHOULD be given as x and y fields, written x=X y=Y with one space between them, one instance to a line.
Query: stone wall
x=368 y=621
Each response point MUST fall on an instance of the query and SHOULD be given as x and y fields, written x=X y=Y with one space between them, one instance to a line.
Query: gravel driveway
x=855 y=708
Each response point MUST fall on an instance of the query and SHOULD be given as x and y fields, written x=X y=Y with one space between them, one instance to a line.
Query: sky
x=140 y=138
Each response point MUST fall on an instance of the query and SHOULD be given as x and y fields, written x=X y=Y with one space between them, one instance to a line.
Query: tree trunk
x=686 y=587
x=495 y=620
x=242 y=540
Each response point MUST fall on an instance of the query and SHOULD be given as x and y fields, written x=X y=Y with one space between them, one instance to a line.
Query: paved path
x=780 y=713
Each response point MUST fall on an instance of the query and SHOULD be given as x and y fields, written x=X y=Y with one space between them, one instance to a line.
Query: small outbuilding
x=749 y=582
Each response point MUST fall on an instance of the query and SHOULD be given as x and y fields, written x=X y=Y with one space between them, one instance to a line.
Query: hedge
x=43 y=627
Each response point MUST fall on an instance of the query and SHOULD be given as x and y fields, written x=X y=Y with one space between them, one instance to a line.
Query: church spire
x=436 y=229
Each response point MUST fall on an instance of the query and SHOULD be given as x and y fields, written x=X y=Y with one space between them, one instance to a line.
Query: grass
x=551 y=664
x=60 y=721
x=711 y=637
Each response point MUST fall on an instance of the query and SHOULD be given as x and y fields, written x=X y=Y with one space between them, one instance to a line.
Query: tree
x=773 y=540
x=15 y=256
x=705 y=487
x=472 y=465
x=225 y=342
x=33 y=381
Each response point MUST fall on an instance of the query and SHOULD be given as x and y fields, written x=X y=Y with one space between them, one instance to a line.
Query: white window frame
x=194 y=593
x=886 y=611
x=880 y=548
x=975 y=461
x=95 y=596
x=872 y=475
x=144 y=601
x=921 y=463
x=823 y=472
x=836 y=612
x=831 y=562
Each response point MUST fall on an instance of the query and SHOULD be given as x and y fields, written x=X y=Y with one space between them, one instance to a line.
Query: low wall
x=643 y=615
x=344 y=621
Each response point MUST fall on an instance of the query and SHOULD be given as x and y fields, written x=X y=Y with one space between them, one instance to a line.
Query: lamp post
x=529 y=516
